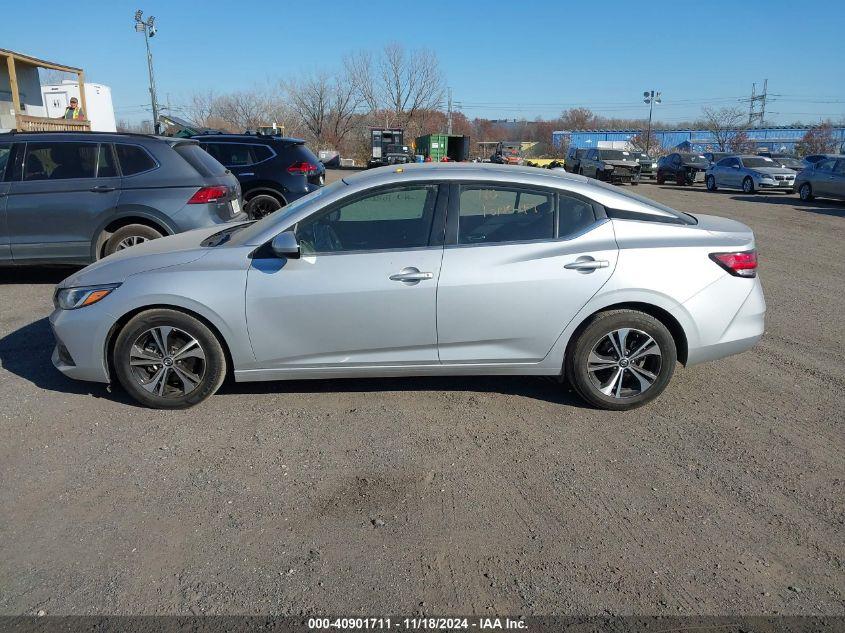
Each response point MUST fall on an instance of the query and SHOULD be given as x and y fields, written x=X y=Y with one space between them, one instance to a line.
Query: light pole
x=650 y=97
x=149 y=30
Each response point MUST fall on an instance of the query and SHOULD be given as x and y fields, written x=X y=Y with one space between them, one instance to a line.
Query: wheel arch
x=257 y=188
x=679 y=334
x=118 y=325
x=123 y=218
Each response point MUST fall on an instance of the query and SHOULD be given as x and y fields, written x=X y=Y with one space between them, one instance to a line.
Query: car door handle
x=411 y=275
x=587 y=264
x=102 y=189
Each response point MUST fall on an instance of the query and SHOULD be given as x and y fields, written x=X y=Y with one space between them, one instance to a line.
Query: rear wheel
x=805 y=192
x=128 y=236
x=681 y=177
x=167 y=359
x=621 y=360
x=261 y=205
x=748 y=185
x=710 y=183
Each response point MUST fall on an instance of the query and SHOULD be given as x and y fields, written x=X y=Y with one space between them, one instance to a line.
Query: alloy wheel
x=167 y=362
x=129 y=241
x=624 y=363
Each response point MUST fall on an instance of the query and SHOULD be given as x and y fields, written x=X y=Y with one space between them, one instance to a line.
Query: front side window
x=838 y=169
x=60 y=161
x=399 y=218
x=491 y=214
x=133 y=159
x=826 y=165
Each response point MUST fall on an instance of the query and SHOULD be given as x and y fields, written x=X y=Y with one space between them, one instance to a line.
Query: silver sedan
x=750 y=174
x=449 y=269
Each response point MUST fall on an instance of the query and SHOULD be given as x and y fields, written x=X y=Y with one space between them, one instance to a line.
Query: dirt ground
x=444 y=496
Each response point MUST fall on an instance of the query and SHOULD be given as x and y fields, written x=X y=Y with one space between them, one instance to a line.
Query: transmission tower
x=757 y=105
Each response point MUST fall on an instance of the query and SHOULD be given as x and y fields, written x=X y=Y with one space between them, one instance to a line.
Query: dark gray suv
x=74 y=197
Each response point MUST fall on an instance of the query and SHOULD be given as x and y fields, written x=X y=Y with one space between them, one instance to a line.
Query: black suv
x=272 y=170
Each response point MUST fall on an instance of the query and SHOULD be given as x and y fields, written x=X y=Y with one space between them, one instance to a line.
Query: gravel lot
x=444 y=496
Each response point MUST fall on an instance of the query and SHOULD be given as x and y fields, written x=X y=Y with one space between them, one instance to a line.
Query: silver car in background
x=445 y=269
x=750 y=174
x=824 y=178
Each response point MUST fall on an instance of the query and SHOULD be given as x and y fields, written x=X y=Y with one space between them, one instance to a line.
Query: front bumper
x=782 y=185
x=81 y=336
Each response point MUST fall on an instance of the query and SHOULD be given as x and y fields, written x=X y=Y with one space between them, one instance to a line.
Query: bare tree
x=642 y=142
x=724 y=124
x=325 y=105
x=740 y=143
x=398 y=82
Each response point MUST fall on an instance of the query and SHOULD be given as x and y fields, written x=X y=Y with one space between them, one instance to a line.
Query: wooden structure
x=27 y=123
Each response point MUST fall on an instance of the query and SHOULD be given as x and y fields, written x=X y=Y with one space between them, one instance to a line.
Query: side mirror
x=284 y=245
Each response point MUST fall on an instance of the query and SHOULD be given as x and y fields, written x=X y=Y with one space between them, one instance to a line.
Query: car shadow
x=35 y=274
x=547 y=389
x=27 y=352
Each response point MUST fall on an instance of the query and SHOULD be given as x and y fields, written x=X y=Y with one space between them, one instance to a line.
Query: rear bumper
x=721 y=334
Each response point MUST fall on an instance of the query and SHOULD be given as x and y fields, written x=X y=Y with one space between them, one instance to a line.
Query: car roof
x=266 y=138
x=105 y=137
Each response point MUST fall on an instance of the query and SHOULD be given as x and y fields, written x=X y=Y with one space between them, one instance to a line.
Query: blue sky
x=503 y=59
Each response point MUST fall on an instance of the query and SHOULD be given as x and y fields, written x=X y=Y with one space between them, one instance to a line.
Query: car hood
x=621 y=163
x=781 y=171
x=164 y=252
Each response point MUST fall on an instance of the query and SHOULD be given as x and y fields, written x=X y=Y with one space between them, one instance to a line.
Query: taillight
x=303 y=167
x=741 y=264
x=209 y=194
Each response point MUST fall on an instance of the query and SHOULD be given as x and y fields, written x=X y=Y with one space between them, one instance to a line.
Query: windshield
x=615 y=154
x=790 y=162
x=759 y=161
x=694 y=158
x=278 y=217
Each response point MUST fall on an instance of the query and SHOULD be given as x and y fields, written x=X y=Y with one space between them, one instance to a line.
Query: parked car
x=610 y=165
x=715 y=157
x=825 y=179
x=750 y=173
x=363 y=278
x=74 y=197
x=683 y=168
x=812 y=159
x=648 y=165
x=790 y=162
x=573 y=159
x=273 y=170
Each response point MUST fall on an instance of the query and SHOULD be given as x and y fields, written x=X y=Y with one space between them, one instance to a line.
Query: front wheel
x=748 y=185
x=681 y=178
x=710 y=183
x=621 y=360
x=166 y=359
x=806 y=192
x=660 y=179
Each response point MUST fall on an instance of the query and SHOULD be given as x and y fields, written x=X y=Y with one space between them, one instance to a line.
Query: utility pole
x=449 y=114
x=149 y=30
x=650 y=97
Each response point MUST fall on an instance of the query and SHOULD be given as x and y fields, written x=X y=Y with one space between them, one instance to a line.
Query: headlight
x=608 y=167
x=73 y=298
x=654 y=165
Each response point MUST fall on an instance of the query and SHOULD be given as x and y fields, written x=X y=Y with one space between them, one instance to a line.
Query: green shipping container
x=437 y=146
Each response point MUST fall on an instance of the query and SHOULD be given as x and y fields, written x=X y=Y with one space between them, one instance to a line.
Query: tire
x=681 y=178
x=634 y=389
x=261 y=205
x=748 y=185
x=805 y=192
x=710 y=183
x=660 y=180
x=171 y=382
x=128 y=236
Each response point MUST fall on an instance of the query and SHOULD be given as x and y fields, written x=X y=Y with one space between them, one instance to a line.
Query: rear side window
x=200 y=160
x=60 y=161
x=574 y=215
x=490 y=215
x=238 y=154
x=5 y=152
x=134 y=159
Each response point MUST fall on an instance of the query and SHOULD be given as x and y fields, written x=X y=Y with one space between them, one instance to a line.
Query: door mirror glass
x=284 y=245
